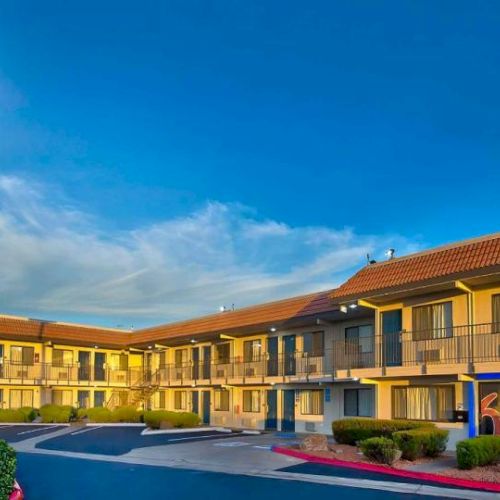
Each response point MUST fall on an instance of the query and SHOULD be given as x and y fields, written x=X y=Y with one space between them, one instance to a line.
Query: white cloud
x=56 y=260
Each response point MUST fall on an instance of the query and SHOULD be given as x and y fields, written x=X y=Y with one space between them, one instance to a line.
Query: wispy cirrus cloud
x=58 y=260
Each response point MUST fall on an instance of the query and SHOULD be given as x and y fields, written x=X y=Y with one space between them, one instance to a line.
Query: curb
x=154 y=432
x=424 y=476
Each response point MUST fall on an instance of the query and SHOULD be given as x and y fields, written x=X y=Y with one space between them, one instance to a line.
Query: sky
x=160 y=159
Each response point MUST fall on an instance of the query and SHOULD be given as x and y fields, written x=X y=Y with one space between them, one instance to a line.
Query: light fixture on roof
x=272 y=329
x=353 y=305
x=343 y=308
x=96 y=347
x=193 y=341
x=150 y=347
x=390 y=253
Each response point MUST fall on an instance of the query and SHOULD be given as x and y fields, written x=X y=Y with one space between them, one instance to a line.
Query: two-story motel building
x=415 y=337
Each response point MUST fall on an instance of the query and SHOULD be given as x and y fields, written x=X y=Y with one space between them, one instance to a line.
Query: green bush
x=57 y=414
x=7 y=470
x=415 y=443
x=353 y=430
x=29 y=413
x=98 y=414
x=381 y=449
x=154 y=419
x=126 y=414
x=483 y=450
x=12 y=416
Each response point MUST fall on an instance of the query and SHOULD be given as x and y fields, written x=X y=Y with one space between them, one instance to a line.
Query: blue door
x=272 y=362
x=206 y=407
x=272 y=410
x=195 y=356
x=194 y=402
x=288 y=420
x=289 y=354
x=207 y=355
x=391 y=334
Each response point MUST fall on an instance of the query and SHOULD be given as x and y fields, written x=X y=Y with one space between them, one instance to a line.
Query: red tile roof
x=449 y=261
x=264 y=314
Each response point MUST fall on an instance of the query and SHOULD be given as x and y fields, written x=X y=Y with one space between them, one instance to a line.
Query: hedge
x=352 y=430
x=415 y=443
x=12 y=416
x=7 y=470
x=57 y=414
x=120 y=414
x=154 y=419
x=483 y=450
x=381 y=449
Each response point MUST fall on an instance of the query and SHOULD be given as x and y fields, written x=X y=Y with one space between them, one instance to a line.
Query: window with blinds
x=433 y=321
x=251 y=401
x=180 y=400
x=314 y=343
x=495 y=314
x=20 y=398
x=221 y=402
x=252 y=350
x=61 y=357
x=311 y=402
x=434 y=403
x=358 y=403
x=62 y=398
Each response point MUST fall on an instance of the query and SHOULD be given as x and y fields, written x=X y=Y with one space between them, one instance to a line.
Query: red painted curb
x=425 y=476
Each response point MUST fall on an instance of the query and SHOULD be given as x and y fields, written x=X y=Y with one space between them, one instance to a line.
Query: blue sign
x=328 y=395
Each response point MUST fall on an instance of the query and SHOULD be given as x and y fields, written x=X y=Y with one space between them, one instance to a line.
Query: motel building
x=414 y=337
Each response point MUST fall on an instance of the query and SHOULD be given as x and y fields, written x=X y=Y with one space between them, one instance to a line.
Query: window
x=358 y=402
x=359 y=339
x=83 y=399
x=20 y=398
x=221 y=400
x=495 y=303
x=432 y=322
x=22 y=355
x=62 y=398
x=61 y=357
x=181 y=357
x=423 y=403
x=99 y=398
x=180 y=400
x=119 y=362
x=252 y=350
x=311 y=402
x=222 y=352
x=162 y=399
x=314 y=343
x=1 y=398
x=251 y=401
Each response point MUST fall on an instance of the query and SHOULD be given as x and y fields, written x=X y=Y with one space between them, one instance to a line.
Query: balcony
x=61 y=374
x=458 y=349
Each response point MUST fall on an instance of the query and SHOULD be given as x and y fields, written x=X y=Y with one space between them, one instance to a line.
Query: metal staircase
x=138 y=394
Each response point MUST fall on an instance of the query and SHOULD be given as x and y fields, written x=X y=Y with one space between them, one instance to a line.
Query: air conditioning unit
x=313 y=368
x=220 y=373
x=310 y=426
x=429 y=356
x=22 y=374
x=250 y=372
x=62 y=375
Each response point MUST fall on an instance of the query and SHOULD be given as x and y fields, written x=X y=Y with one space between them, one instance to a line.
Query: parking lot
x=16 y=433
x=108 y=440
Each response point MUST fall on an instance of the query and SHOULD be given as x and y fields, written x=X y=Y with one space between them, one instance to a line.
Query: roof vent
x=390 y=253
x=369 y=260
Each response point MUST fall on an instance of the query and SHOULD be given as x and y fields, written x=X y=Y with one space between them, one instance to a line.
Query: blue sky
x=161 y=158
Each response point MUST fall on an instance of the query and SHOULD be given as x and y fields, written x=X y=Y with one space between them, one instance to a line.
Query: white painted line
x=193 y=437
x=5 y=426
x=263 y=447
x=33 y=430
x=84 y=430
x=232 y=444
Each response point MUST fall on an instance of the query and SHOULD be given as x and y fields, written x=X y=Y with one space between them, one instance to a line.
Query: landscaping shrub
x=483 y=450
x=12 y=416
x=154 y=419
x=415 y=443
x=98 y=414
x=352 y=430
x=29 y=413
x=7 y=470
x=126 y=414
x=381 y=449
x=57 y=414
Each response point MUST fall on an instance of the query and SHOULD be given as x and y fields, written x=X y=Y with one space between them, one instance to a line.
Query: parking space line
x=33 y=430
x=85 y=430
x=5 y=426
x=194 y=437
